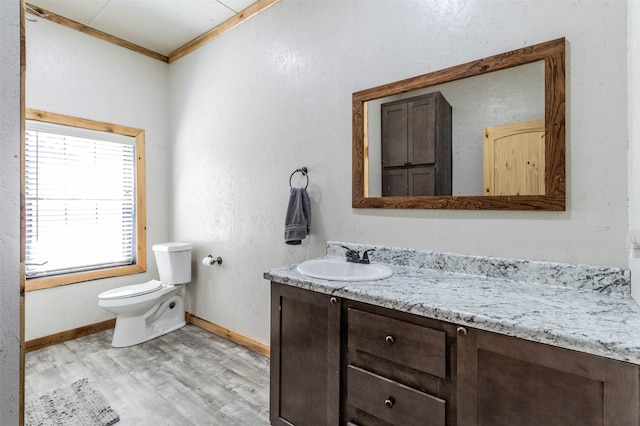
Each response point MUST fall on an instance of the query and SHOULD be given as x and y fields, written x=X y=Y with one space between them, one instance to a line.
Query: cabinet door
x=394 y=135
x=394 y=182
x=305 y=357
x=409 y=132
x=421 y=137
x=411 y=181
x=508 y=381
x=422 y=181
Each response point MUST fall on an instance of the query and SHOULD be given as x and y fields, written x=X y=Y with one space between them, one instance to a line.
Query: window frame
x=140 y=265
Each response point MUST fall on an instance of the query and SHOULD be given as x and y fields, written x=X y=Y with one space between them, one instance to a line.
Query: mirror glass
x=508 y=96
x=522 y=86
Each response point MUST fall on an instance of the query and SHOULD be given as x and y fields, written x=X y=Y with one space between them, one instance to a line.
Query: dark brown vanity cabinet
x=509 y=381
x=341 y=362
x=416 y=146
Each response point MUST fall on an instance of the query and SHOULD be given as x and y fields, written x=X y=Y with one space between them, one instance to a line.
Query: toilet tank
x=174 y=262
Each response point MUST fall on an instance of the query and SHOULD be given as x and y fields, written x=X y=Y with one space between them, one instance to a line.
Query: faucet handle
x=365 y=255
x=352 y=255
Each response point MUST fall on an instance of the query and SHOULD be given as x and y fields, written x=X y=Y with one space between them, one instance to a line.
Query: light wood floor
x=188 y=377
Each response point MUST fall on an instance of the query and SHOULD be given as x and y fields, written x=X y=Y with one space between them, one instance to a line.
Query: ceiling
x=158 y=25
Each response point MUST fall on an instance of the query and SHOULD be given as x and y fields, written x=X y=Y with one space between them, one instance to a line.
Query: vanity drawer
x=391 y=401
x=411 y=345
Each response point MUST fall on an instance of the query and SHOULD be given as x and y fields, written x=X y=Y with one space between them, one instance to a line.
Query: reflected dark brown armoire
x=416 y=146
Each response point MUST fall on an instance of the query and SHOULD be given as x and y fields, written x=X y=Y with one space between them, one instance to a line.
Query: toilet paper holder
x=209 y=260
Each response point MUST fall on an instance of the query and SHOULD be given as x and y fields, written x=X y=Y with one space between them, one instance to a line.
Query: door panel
x=514 y=159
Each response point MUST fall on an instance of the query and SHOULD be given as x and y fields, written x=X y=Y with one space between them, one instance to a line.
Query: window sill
x=60 y=280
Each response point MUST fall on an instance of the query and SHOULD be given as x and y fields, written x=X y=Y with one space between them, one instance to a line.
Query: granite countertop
x=579 y=307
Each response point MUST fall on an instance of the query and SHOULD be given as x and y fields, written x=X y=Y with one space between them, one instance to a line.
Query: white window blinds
x=80 y=199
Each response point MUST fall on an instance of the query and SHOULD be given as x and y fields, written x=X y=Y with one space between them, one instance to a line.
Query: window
x=84 y=206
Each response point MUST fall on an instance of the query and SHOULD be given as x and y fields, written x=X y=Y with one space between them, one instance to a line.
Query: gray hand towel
x=296 y=224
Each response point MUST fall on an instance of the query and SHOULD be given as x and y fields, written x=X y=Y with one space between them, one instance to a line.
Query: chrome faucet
x=353 y=256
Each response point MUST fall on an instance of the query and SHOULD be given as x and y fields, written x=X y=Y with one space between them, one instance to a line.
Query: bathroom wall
x=71 y=73
x=633 y=38
x=9 y=212
x=274 y=94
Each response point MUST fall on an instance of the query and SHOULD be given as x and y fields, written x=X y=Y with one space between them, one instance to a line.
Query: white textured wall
x=9 y=212
x=274 y=94
x=71 y=73
x=633 y=38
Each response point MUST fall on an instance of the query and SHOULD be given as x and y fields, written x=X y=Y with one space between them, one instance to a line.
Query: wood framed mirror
x=549 y=193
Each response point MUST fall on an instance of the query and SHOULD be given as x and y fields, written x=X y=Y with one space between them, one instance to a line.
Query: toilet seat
x=131 y=290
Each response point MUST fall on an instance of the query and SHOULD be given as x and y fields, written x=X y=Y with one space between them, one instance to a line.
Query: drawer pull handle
x=333 y=300
x=462 y=331
x=389 y=402
x=389 y=339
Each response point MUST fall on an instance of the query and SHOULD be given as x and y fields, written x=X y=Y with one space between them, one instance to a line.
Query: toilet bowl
x=143 y=316
x=153 y=308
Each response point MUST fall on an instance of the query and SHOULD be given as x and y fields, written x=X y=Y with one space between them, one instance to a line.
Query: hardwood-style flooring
x=187 y=377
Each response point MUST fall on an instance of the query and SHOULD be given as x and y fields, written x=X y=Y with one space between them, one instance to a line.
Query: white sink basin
x=338 y=269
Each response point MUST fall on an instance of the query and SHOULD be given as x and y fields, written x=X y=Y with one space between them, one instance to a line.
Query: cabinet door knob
x=389 y=402
x=333 y=300
x=389 y=339
x=462 y=331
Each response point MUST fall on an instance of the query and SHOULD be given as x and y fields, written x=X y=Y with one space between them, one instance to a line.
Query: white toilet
x=148 y=310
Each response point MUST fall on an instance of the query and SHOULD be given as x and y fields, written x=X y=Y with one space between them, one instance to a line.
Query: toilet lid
x=131 y=290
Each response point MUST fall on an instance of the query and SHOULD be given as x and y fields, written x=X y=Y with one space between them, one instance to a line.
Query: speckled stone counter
x=578 y=307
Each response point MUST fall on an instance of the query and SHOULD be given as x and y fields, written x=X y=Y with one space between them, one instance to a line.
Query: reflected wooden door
x=514 y=160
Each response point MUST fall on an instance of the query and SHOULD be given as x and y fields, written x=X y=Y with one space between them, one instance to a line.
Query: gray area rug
x=75 y=404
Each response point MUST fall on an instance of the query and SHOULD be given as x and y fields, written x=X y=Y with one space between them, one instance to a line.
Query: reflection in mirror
x=520 y=87
x=508 y=96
